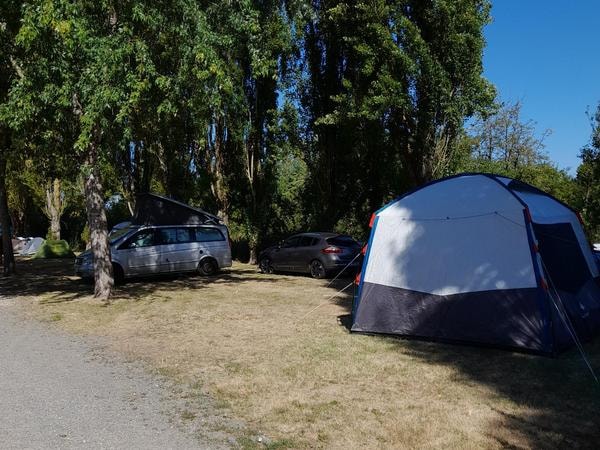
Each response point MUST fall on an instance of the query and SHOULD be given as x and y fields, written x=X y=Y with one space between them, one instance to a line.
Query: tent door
x=564 y=261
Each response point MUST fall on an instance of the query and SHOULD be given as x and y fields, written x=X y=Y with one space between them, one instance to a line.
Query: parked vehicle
x=149 y=250
x=320 y=254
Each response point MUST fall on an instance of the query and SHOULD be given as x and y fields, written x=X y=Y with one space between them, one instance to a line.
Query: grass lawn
x=301 y=379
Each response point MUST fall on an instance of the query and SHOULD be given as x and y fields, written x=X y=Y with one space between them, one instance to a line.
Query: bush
x=54 y=249
x=85 y=235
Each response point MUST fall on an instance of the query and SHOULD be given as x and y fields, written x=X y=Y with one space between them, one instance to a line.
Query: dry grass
x=307 y=382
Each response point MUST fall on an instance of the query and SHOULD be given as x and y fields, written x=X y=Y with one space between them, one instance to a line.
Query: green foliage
x=287 y=178
x=85 y=235
x=117 y=211
x=54 y=249
x=388 y=88
x=588 y=179
x=503 y=136
x=279 y=116
x=500 y=142
x=543 y=175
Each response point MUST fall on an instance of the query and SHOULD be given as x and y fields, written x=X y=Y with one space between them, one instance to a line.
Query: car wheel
x=317 y=269
x=118 y=274
x=265 y=266
x=207 y=267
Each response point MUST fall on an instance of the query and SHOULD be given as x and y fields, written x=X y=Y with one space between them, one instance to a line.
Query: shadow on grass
x=553 y=402
x=557 y=400
x=53 y=281
x=541 y=402
x=41 y=276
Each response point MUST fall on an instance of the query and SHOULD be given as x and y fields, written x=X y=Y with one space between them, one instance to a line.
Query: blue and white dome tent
x=479 y=258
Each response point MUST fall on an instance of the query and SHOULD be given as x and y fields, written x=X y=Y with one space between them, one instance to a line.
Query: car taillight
x=331 y=249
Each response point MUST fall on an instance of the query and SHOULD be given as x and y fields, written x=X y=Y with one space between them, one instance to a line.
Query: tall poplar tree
x=9 y=72
x=387 y=89
x=255 y=48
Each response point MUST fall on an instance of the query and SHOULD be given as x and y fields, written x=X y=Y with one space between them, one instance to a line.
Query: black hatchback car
x=320 y=254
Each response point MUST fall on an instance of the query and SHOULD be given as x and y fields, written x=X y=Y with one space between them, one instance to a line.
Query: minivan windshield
x=118 y=234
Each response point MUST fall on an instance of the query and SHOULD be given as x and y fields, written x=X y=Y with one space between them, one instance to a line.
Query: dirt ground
x=275 y=352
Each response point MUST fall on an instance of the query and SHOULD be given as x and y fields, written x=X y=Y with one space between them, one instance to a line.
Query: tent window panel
x=562 y=256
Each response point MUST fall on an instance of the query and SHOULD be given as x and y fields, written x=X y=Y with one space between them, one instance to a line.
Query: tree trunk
x=54 y=208
x=253 y=254
x=7 y=250
x=103 y=273
x=216 y=166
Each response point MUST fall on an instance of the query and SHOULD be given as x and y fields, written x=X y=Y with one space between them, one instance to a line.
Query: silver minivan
x=148 y=250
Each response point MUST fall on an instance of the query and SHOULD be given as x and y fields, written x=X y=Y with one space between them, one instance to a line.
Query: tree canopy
x=276 y=115
x=588 y=178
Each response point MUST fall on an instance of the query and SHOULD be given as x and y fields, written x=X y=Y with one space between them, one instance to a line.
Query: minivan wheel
x=265 y=266
x=118 y=274
x=317 y=269
x=207 y=267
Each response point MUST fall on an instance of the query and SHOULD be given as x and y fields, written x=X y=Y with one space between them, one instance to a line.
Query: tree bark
x=253 y=254
x=54 y=208
x=7 y=250
x=216 y=166
x=103 y=273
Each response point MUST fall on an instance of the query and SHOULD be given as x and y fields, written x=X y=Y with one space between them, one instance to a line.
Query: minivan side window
x=175 y=235
x=208 y=235
x=143 y=238
x=185 y=234
x=167 y=235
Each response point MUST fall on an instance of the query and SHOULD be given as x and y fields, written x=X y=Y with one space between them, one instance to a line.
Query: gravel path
x=59 y=391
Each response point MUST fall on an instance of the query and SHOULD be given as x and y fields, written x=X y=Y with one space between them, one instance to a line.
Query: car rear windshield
x=342 y=241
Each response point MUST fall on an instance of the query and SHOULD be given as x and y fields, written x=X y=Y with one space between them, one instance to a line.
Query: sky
x=546 y=54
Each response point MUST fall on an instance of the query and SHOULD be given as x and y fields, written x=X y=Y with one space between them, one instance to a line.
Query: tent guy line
x=326 y=301
x=342 y=271
x=443 y=219
x=568 y=324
